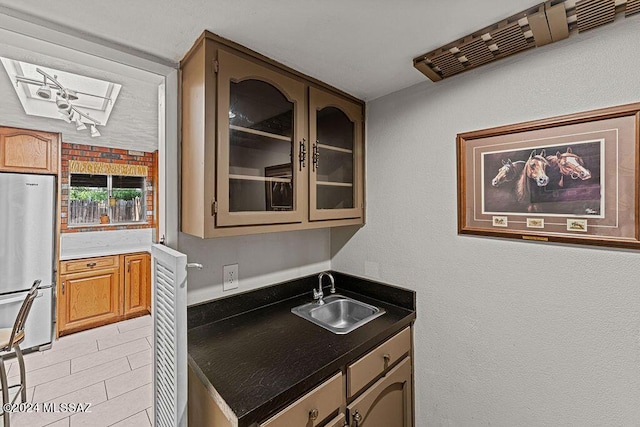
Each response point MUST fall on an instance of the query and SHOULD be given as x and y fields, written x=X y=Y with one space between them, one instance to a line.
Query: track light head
x=94 y=131
x=61 y=102
x=44 y=92
x=79 y=124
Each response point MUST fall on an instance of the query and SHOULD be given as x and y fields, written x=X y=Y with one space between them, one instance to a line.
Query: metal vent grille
x=542 y=24
x=511 y=39
x=447 y=64
x=477 y=52
x=594 y=13
x=170 y=338
x=632 y=7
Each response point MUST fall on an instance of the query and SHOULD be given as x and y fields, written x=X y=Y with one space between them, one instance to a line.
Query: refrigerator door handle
x=16 y=299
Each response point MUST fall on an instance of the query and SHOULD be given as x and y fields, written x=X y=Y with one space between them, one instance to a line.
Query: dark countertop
x=260 y=357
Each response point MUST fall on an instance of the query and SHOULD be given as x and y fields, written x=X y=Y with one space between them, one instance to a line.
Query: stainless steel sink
x=338 y=314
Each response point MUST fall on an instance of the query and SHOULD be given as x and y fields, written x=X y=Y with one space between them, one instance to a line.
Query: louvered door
x=170 y=336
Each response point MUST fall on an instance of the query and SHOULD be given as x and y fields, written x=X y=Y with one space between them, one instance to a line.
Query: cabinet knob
x=387 y=359
x=313 y=414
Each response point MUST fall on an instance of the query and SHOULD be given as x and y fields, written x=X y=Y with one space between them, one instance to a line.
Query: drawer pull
x=91 y=264
x=313 y=414
x=387 y=359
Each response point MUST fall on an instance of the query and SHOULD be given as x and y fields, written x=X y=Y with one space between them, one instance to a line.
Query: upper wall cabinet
x=265 y=148
x=28 y=151
x=336 y=186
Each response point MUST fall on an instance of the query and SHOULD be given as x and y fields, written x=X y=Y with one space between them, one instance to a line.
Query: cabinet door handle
x=316 y=155
x=357 y=418
x=302 y=156
x=63 y=282
x=128 y=266
x=91 y=264
x=313 y=414
x=387 y=359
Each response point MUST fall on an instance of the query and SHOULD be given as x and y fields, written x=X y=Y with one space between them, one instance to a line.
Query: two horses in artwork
x=538 y=171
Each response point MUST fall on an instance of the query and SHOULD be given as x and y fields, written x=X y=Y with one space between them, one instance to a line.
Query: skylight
x=90 y=101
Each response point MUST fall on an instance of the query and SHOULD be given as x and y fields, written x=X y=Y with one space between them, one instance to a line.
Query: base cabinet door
x=387 y=403
x=137 y=284
x=89 y=299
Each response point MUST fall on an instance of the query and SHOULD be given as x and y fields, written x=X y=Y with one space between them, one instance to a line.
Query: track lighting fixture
x=64 y=97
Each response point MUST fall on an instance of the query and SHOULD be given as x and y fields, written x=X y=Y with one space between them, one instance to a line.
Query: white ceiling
x=364 y=47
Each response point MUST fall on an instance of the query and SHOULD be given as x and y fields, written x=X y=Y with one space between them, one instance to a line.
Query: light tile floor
x=109 y=367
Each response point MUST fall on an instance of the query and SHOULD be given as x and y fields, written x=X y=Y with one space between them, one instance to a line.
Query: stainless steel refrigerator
x=27 y=232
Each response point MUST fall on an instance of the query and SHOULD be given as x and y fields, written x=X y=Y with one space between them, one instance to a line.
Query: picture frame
x=569 y=179
x=279 y=189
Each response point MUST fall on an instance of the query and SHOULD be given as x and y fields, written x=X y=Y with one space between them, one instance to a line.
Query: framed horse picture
x=570 y=179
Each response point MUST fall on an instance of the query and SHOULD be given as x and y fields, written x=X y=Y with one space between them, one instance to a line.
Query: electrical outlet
x=230 y=277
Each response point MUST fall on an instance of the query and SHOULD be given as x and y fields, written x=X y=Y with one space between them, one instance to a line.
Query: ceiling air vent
x=542 y=24
x=633 y=6
x=594 y=13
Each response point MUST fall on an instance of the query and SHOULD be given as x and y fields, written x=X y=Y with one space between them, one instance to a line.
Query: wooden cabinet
x=136 y=280
x=387 y=403
x=96 y=291
x=369 y=367
x=88 y=297
x=313 y=408
x=28 y=151
x=336 y=185
x=265 y=148
x=378 y=393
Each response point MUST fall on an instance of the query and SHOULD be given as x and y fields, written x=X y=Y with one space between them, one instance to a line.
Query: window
x=101 y=199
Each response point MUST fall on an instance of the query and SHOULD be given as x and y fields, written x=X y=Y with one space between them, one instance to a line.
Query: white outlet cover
x=230 y=278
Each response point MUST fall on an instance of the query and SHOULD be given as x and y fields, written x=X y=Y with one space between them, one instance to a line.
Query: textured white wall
x=262 y=259
x=508 y=332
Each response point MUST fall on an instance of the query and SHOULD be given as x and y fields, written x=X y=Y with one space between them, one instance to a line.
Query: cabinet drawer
x=312 y=408
x=374 y=363
x=88 y=264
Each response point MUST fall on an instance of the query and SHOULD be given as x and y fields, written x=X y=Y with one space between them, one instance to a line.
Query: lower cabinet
x=96 y=291
x=387 y=403
x=135 y=273
x=312 y=408
x=89 y=299
x=375 y=390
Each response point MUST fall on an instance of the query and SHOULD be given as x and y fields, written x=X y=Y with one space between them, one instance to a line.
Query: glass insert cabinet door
x=260 y=115
x=336 y=176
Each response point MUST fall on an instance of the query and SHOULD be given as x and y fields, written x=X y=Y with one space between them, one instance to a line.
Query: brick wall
x=89 y=153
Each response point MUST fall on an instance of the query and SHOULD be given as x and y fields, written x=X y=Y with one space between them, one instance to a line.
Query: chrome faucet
x=317 y=293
